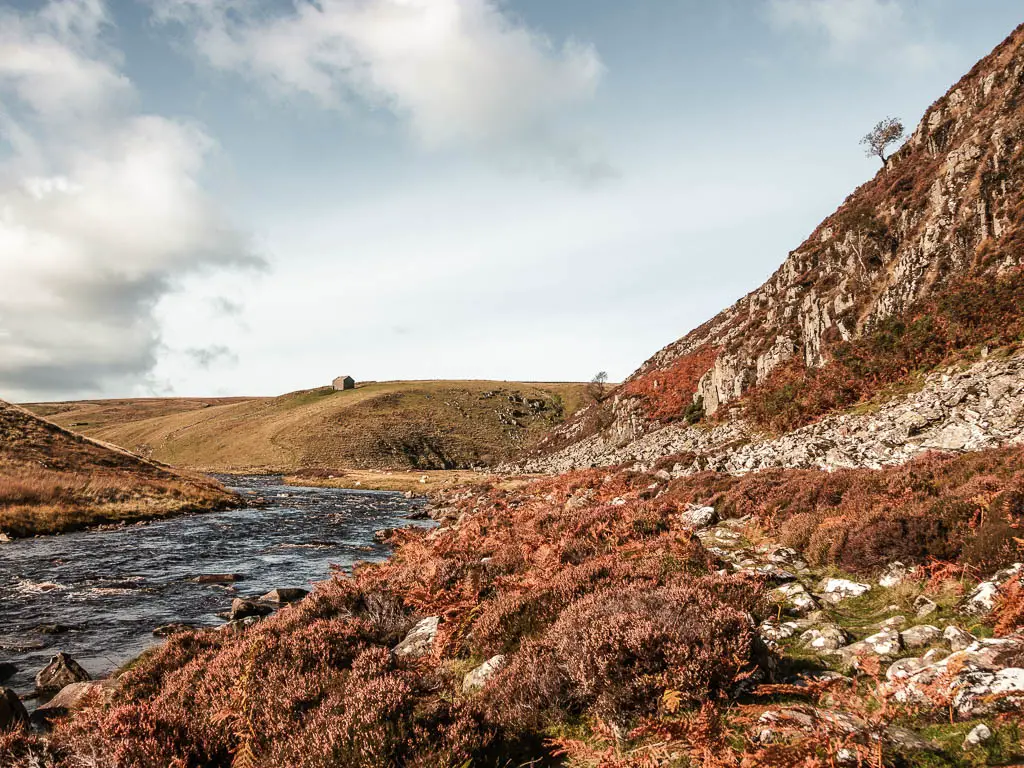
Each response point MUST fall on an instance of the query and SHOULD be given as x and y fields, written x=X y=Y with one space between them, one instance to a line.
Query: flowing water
x=99 y=594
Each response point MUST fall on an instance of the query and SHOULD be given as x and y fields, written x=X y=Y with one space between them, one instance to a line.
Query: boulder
x=72 y=698
x=773 y=632
x=784 y=556
x=983 y=693
x=12 y=711
x=285 y=595
x=824 y=639
x=924 y=607
x=983 y=599
x=694 y=517
x=477 y=678
x=420 y=640
x=244 y=609
x=836 y=590
x=719 y=536
x=957 y=639
x=905 y=740
x=173 y=629
x=921 y=636
x=893 y=622
x=893 y=574
x=62 y=671
x=885 y=644
x=772 y=574
x=977 y=678
x=219 y=578
x=901 y=669
x=794 y=598
x=979 y=735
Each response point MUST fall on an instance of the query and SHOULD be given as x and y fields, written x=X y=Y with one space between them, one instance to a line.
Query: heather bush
x=615 y=653
x=667 y=394
x=937 y=506
x=610 y=616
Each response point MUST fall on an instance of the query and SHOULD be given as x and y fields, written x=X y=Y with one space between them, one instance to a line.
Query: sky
x=250 y=197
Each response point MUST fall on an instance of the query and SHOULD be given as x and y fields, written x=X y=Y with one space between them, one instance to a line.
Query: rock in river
x=284 y=595
x=244 y=609
x=60 y=672
x=219 y=578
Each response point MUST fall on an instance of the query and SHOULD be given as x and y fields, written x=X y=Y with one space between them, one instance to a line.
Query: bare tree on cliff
x=597 y=386
x=887 y=132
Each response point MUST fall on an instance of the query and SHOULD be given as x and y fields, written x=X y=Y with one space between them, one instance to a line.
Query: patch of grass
x=1004 y=748
x=393 y=480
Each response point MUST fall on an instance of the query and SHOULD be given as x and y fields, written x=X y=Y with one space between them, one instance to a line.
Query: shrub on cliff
x=937 y=330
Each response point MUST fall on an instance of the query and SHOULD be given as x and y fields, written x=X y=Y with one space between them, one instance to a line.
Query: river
x=99 y=594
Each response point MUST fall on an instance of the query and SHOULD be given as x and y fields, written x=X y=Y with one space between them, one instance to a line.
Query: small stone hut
x=344 y=382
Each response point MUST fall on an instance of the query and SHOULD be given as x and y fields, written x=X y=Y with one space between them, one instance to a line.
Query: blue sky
x=205 y=197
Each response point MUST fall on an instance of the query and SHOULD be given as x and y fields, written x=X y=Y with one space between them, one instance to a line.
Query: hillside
x=919 y=269
x=386 y=425
x=52 y=480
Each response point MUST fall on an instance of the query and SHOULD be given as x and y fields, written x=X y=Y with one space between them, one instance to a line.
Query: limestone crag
x=945 y=208
x=959 y=409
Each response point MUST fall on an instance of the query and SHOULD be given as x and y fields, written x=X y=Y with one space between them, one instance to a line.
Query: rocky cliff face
x=948 y=206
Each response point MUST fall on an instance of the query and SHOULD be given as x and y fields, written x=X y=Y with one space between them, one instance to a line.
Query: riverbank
x=99 y=594
x=416 y=482
x=55 y=481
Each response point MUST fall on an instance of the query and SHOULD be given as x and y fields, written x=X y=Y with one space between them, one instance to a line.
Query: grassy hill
x=378 y=425
x=52 y=480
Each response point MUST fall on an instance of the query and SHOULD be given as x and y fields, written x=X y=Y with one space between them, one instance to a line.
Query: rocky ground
x=902 y=644
x=959 y=409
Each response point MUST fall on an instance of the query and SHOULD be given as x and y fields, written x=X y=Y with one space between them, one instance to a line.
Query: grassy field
x=53 y=481
x=421 y=482
x=421 y=425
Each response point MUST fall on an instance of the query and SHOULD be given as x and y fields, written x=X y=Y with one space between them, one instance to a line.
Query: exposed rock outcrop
x=959 y=409
x=945 y=208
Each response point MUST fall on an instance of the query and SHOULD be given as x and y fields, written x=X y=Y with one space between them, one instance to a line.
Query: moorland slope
x=52 y=481
x=380 y=425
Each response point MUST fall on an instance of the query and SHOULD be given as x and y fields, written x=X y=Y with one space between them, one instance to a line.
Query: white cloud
x=101 y=210
x=455 y=71
x=875 y=31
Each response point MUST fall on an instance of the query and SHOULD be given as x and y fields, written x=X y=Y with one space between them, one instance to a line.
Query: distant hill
x=379 y=425
x=922 y=267
x=52 y=480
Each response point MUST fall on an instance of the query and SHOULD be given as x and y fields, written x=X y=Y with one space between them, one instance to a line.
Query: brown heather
x=625 y=644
